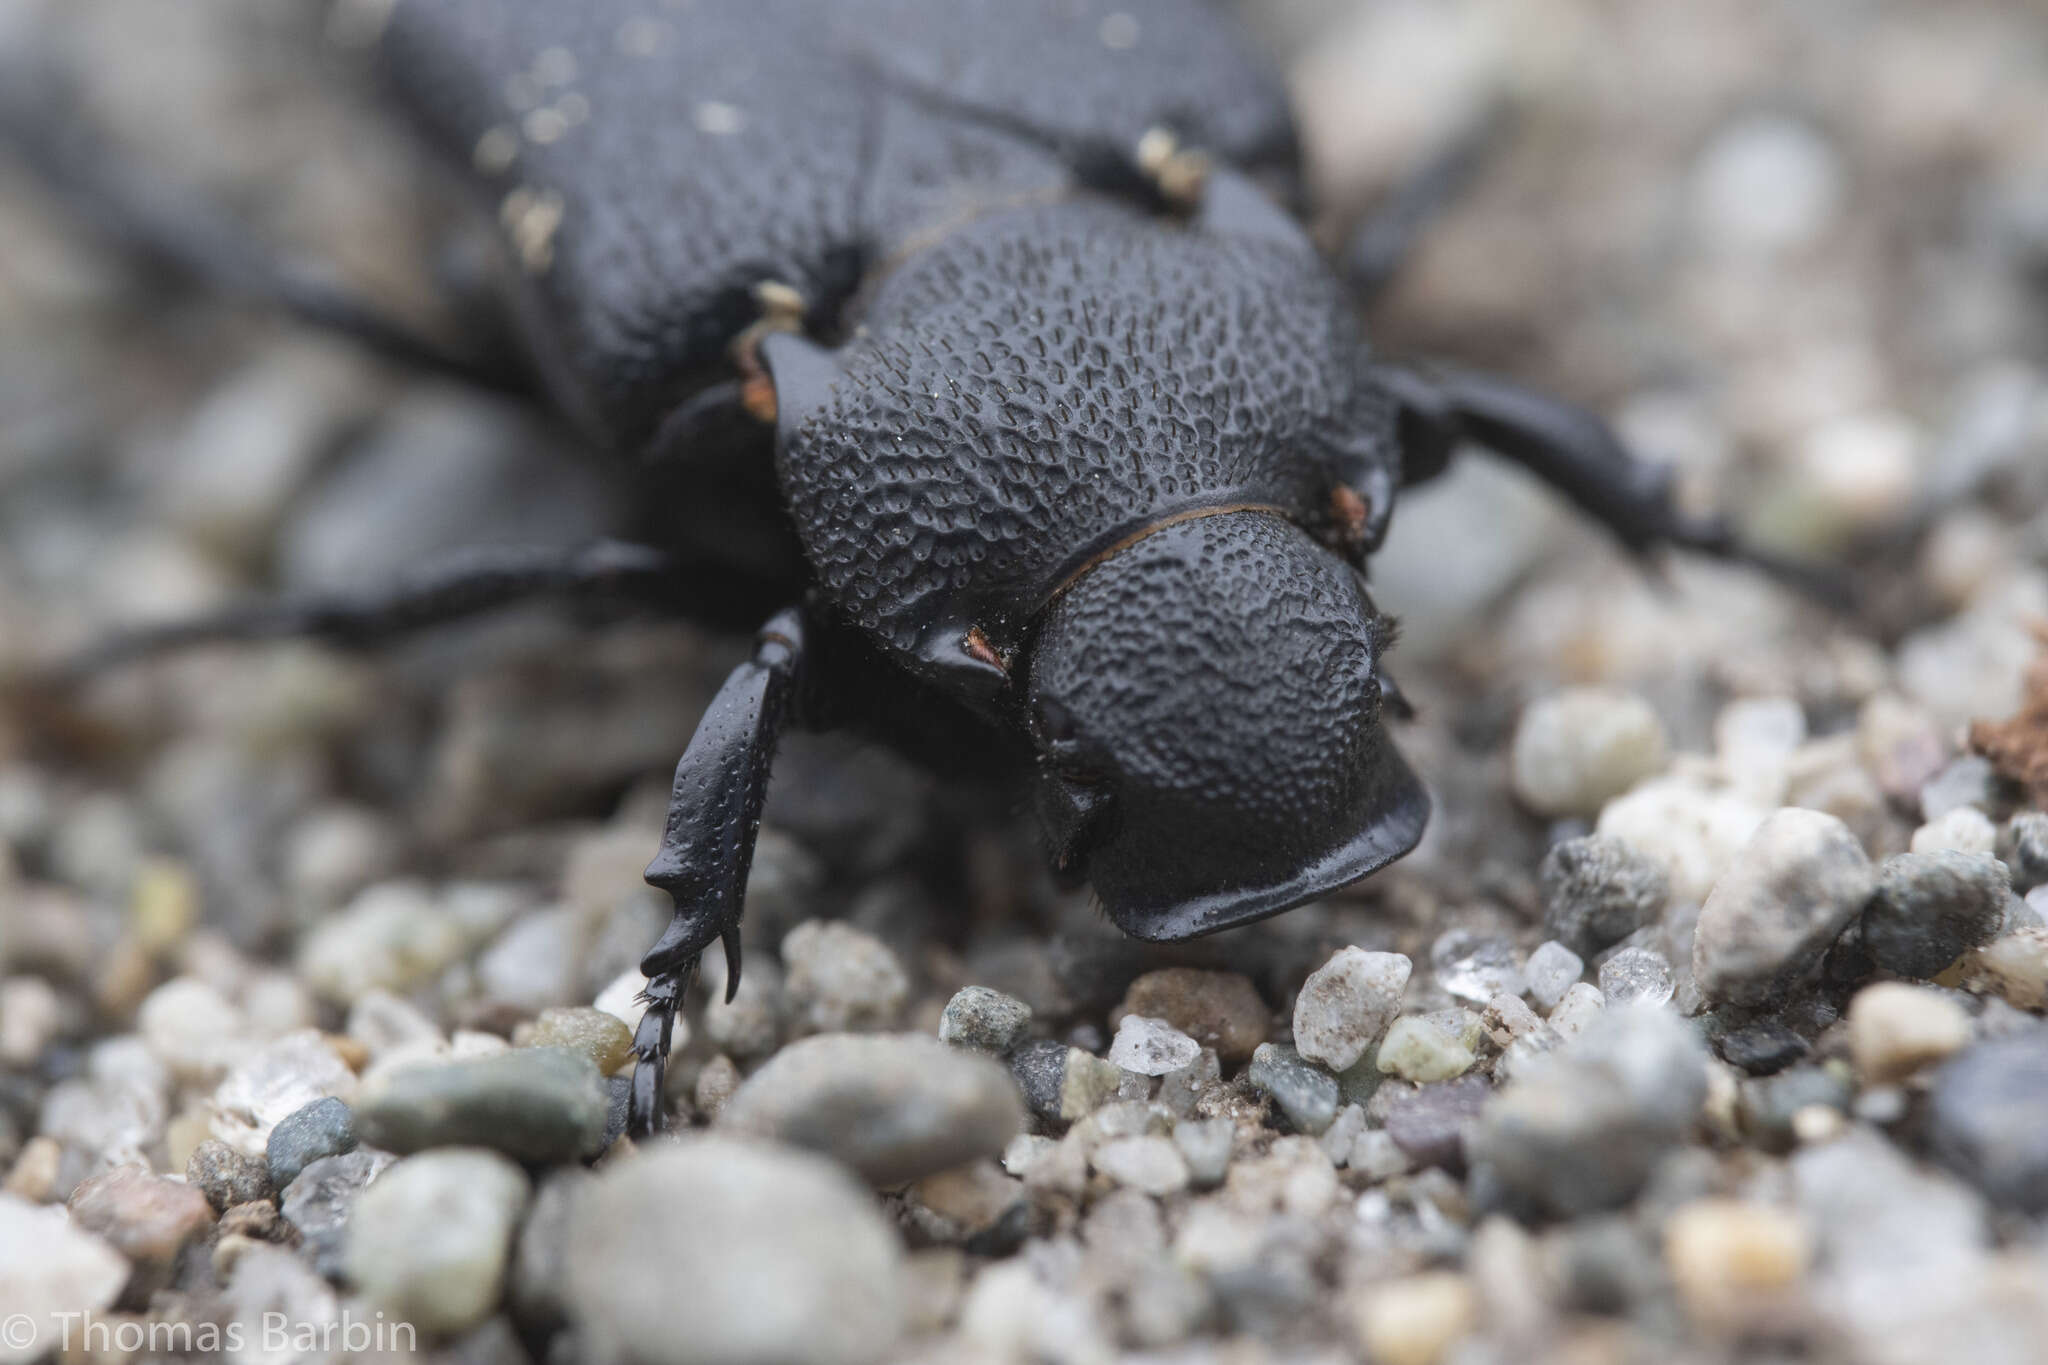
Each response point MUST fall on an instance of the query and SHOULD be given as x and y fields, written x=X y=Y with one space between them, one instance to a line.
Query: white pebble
x=1151 y=1047
x=1576 y=750
x=1347 y=1003
x=1550 y=971
x=1964 y=829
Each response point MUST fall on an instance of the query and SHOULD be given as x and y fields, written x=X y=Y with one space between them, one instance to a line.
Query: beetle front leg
x=707 y=848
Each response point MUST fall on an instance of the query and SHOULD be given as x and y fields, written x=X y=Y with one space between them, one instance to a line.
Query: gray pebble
x=1768 y=1104
x=1205 y=1143
x=429 y=1240
x=893 y=1107
x=1305 y=1093
x=1792 y=890
x=1931 y=908
x=1597 y=891
x=540 y=1258
x=1429 y=1124
x=839 y=978
x=1580 y=1128
x=1552 y=970
x=1761 y=1049
x=785 y=1259
x=537 y=1104
x=326 y=1127
x=984 y=1020
x=2026 y=850
x=226 y=1177
x=1988 y=1119
x=1040 y=1069
x=317 y=1203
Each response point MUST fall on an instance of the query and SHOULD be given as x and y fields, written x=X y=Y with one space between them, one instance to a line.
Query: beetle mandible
x=1069 y=445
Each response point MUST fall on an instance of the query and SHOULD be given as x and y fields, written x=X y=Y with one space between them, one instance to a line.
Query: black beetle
x=1056 y=441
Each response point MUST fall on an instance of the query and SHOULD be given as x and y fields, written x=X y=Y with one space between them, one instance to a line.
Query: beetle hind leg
x=707 y=846
x=1582 y=458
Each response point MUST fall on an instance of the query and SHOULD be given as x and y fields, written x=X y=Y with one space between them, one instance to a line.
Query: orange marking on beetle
x=1351 y=513
x=979 y=649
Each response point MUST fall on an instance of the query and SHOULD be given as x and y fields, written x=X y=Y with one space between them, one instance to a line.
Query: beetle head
x=1207 y=709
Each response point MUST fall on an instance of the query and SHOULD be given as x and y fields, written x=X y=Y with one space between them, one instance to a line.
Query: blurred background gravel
x=1625 y=1063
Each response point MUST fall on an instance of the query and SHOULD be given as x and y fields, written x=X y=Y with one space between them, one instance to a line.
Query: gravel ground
x=1706 y=1024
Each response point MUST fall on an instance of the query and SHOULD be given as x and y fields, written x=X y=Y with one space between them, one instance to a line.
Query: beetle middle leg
x=1580 y=456
x=707 y=847
x=460 y=585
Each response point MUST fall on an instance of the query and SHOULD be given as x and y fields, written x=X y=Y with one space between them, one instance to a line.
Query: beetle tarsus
x=647 y=1110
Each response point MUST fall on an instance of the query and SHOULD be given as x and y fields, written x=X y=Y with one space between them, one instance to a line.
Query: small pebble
x=1597 y=891
x=839 y=979
x=273 y=1083
x=226 y=1177
x=1306 y=1094
x=1346 y=1004
x=326 y=1127
x=1963 y=830
x=1376 y=1156
x=192 y=1029
x=147 y=1218
x=318 y=1202
x=1151 y=1047
x=1636 y=976
x=1968 y=780
x=716 y=1084
x=1205 y=1144
x=1087 y=1082
x=1796 y=885
x=1582 y=1004
x=1025 y=1151
x=1582 y=1128
x=2025 y=846
x=592 y=1032
x=1429 y=1125
x=788 y=1259
x=1220 y=1010
x=1988 y=1118
x=536 y=1104
x=1576 y=750
x=893 y=1107
x=1895 y=1029
x=1338 y=1139
x=1476 y=967
x=1507 y=1018
x=50 y=1265
x=984 y=1020
x=1417 y=1319
x=1724 y=1254
x=1150 y=1165
x=1931 y=908
x=1761 y=1049
x=2015 y=966
x=428 y=1242
x=1550 y=971
x=1419 y=1049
